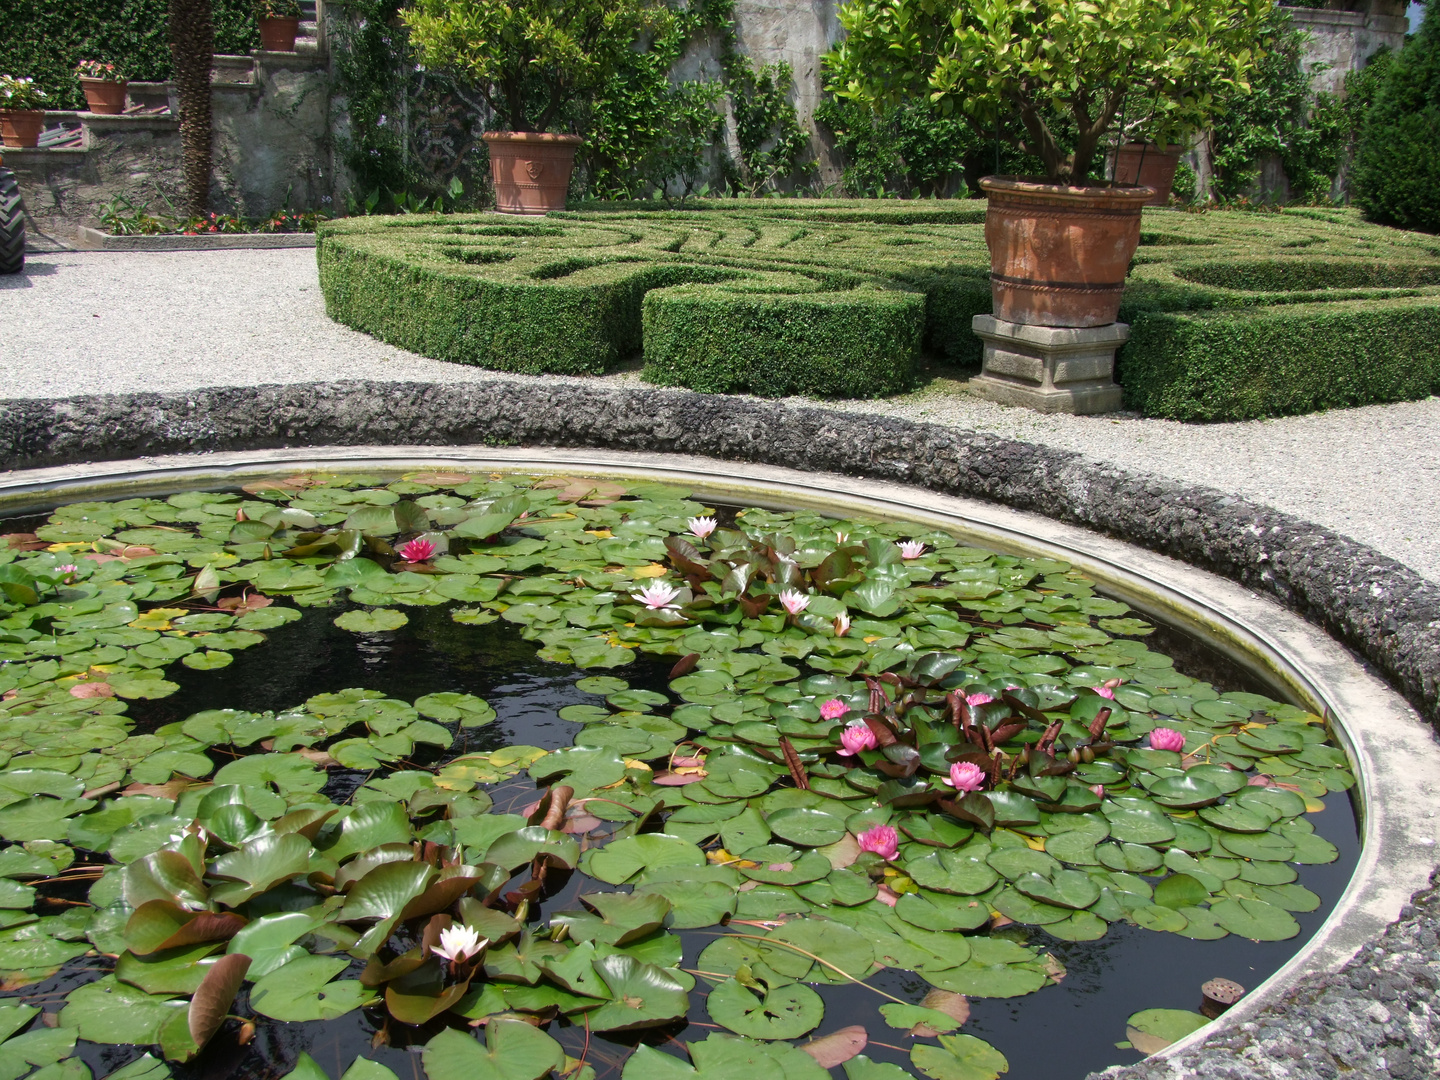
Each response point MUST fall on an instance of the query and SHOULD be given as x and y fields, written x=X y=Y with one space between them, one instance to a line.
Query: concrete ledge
x=88 y=239
x=1381 y=608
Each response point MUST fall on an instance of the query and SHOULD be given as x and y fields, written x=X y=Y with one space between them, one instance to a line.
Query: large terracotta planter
x=1059 y=254
x=21 y=127
x=1151 y=165
x=278 y=34
x=531 y=170
x=104 y=96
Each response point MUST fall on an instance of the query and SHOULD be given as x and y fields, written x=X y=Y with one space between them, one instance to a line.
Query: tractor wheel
x=12 y=225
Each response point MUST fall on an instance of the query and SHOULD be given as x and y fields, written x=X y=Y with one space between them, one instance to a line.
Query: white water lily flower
x=911 y=549
x=459 y=942
x=658 y=597
x=794 y=601
x=701 y=527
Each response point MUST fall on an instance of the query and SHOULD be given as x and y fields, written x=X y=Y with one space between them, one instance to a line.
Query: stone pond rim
x=1376 y=605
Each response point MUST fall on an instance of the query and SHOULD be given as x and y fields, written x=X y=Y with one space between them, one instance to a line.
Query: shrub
x=1232 y=315
x=1397 y=168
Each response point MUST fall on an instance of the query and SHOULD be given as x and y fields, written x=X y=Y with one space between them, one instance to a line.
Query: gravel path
x=84 y=323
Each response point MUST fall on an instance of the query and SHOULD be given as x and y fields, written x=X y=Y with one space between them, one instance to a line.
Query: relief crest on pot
x=534 y=169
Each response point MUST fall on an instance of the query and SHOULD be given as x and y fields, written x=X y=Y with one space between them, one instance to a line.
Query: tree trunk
x=192 y=44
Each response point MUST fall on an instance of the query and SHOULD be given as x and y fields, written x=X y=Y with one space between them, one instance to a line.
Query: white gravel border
x=116 y=322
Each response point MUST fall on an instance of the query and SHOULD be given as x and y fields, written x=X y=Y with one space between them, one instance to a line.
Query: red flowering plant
x=96 y=69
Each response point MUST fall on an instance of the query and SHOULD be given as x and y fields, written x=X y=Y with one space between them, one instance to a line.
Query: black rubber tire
x=12 y=225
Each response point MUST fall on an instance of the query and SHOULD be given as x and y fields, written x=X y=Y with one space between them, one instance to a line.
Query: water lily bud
x=1087 y=754
x=1074 y=756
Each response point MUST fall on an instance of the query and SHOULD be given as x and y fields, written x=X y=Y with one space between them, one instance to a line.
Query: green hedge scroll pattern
x=1233 y=315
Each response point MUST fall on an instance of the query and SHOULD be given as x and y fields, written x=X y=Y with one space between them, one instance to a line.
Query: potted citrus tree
x=104 y=87
x=1060 y=243
x=279 y=24
x=530 y=60
x=22 y=111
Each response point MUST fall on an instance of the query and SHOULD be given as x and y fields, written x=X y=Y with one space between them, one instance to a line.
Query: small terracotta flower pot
x=531 y=170
x=21 y=127
x=1059 y=254
x=104 y=96
x=1151 y=165
x=278 y=35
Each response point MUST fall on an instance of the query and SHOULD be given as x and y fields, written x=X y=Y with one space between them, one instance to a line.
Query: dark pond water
x=1059 y=1033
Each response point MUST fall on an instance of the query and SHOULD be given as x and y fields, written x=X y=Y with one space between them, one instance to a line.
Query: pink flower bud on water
x=842 y=624
x=1105 y=692
x=882 y=840
x=833 y=709
x=1164 y=738
x=966 y=776
x=857 y=737
x=978 y=699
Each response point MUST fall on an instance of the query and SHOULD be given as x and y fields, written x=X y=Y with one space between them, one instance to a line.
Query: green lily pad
x=1255 y=919
x=784 y=1012
x=722 y=1057
x=1161 y=1027
x=302 y=990
x=373 y=621
x=1185 y=792
x=621 y=860
x=513 y=1050
x=806 y=827
x=642 y=995
x=1180 y=891
x=1072 y=889
x=953 y=872
x=959 y=1057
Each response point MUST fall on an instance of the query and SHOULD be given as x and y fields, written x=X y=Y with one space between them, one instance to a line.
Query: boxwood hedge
x=1233 y=315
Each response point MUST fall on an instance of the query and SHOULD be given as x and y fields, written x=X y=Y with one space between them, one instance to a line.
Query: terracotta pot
x=104 y=96
x=1148 y=164
x=531 y=170
x=278 y=35
x=1058 y=254
x=21 y=127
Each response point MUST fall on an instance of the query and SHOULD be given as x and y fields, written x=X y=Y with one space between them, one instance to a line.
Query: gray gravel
x=85 y=323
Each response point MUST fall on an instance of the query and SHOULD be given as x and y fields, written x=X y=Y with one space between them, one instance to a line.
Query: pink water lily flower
x=978 y=698
x=794 y=601
x=857 y=737
x=882 y=840
x=841 y=537
x=1105 y=692
x=658 y=597
x=1164 y=738
x=911 y=549
x=701 y=527
x=69 y=570
x=842 y=624
x=417 y=550
x=833 y=709
x=966 y=776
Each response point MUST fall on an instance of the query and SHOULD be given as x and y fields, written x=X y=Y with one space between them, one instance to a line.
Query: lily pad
x=784 y=1012
x=959 y=1057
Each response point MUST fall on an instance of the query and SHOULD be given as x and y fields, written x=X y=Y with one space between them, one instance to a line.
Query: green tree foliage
x=1397 y=168
x=531 y=59
x=990 y=59
x=45 y=39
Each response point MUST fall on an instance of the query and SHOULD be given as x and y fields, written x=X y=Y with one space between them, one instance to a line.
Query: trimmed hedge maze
x=1233 y=315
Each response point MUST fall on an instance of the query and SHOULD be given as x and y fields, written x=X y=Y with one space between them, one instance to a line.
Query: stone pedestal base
x=1049 y=369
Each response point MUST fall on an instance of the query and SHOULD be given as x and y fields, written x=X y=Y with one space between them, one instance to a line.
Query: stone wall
x=271 y=148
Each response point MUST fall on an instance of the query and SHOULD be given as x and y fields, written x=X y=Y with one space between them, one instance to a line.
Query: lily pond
x=494 y=777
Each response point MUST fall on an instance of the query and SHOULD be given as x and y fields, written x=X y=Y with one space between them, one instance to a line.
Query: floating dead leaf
x=103 y=789
x=319 y=757
x=294 y=483
x=838 y=1047
x=886 y=896
x=251 y=601
x=843 y=852
x=23 y=542
x=441 y=479
x=92 y=690
x=171 y=789
x=649 y=570
x=955 y=1006
x=678 y=777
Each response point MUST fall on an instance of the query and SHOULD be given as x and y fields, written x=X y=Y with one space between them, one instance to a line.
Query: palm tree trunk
x=192 y=44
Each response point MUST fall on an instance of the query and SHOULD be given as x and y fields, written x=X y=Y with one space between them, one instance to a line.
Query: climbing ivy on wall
x=646 y=135
x=45 y=39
